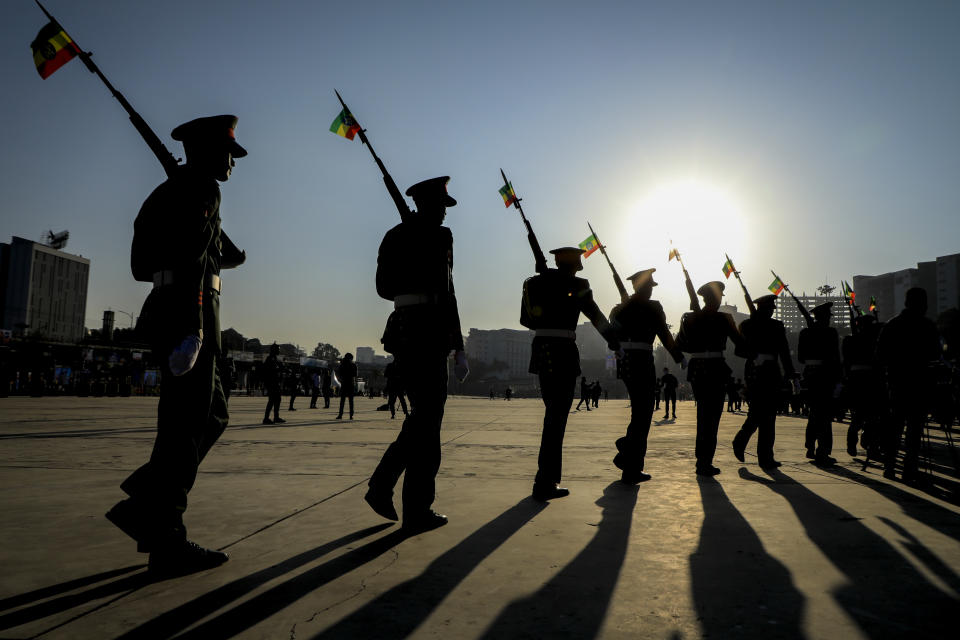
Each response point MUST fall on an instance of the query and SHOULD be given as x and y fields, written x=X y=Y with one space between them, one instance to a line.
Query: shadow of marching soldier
x=574 y=603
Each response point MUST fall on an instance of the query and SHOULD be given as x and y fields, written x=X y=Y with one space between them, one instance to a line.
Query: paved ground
x=801 y=553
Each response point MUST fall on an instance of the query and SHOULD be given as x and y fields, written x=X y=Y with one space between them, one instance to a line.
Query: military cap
x=213 y=130
x=822 y=308
x=568 y=255
x=767 y=300
x=712 y=288
x=434 y=188
x=640 y=278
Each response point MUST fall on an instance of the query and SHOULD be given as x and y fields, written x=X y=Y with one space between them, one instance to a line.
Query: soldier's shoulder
x=580 y=284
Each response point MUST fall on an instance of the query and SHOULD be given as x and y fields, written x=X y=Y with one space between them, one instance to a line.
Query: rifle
x=803 y=310
x=166 y=158
x=616 y=276
x=540 y=262
x=750 y=305
x=852 y=308
x=694 y=300
x=392 y=189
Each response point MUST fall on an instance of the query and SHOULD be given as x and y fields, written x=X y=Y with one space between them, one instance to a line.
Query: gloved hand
x=183 y=358
x=460 y=366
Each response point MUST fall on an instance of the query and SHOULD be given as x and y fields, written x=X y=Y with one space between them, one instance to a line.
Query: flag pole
x=539 y=260
x=166 y=158
x=803 y=309
x=616 y=276
x=402 y=207
x=750 y=305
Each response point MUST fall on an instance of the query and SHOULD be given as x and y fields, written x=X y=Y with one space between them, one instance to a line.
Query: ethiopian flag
x=848 y=292
x=52 y=49
x=509 y=197
x=873 y=304
x=728 y=268
x=673 y=254
x=776 y=286
x=589 y=245
x=345 y=125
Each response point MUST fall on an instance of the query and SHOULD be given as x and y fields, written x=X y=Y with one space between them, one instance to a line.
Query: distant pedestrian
x=347 y=374
x=395 y=390
x=314 y=389
x=670 y=384
x=584 y=393
x=271 y=375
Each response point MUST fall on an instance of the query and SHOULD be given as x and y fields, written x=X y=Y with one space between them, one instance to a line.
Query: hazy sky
x=820 y=139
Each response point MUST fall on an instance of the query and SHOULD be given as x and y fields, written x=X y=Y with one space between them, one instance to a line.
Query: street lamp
x=126 y=313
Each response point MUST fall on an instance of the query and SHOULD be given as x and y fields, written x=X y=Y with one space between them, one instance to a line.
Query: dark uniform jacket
x=347 y=373
x=637 y=320
x=819 y=350
x=907 y=346
x=707 y=331
x=765 y=341
x=178 y=231
x=554 y=300
x=416 y=259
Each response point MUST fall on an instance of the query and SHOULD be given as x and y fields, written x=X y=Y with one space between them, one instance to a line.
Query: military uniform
x=765 y=342
x=864 y=385
x=703 y=334
x=907 y=347
x=178 y=245
x=636 y=323
x=551 y=305
x=819 y=351
x=420 y=333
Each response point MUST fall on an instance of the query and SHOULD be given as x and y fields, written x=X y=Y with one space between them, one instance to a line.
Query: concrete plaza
x=804 y=552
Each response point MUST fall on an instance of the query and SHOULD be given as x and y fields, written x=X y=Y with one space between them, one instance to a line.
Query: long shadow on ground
x=179 y=618
x=884 y=594
x=739 y=590
x=399 y=611
x=574 y=603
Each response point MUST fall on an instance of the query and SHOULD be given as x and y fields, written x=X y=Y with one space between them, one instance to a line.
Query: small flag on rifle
x=589 y=245
x=673 y=254
x=873 y=304
x=728 y=268
x=848 y=292
x=345 y=125
x=776 y=286
x=52 y=48
x=509 y=197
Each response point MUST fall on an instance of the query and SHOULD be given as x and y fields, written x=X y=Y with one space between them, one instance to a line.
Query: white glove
x=460 y=366
x=183 y=358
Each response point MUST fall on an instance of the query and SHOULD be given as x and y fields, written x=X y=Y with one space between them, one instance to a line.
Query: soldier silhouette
x=766 y=345
x=907 y=348
x=420 y=333
x=669 y=383
x=178 y=245
x=703 y=334
x=552 y=303
x=636 y=323
x=864 y=385
x=818 y=349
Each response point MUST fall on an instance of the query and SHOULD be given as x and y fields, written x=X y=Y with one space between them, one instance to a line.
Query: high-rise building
x=43 y=291
x=789 y=314
x=509 y=346
x=940 y=278
x=365 y=355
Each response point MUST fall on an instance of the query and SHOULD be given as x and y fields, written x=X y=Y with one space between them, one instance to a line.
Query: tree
x=324 y=351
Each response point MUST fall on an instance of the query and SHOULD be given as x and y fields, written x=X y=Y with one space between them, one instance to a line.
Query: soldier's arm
x=590 y=309
x=386 y=269
x=665 y=338
x=736 y=337
x=783 y=350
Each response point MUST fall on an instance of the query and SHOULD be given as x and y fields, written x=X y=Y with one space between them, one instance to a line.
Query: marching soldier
x=907 y=347
x=865 y=386
x=179 y=246
x=819 y=351
x=552 y=304
x=703 y=334
x=636 y=323
x=766 y=344
x=420 y=333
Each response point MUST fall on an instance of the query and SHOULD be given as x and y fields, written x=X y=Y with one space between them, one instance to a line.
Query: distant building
x=940 y=278
x=788 y=313
x=365 y=355
x=43 y=291
x=509 y=346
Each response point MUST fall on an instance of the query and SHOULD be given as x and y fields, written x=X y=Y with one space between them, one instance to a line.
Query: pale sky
x=819 y=139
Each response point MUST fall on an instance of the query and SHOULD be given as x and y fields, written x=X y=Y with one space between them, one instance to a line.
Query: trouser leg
x=709 y=396
x=558 y=393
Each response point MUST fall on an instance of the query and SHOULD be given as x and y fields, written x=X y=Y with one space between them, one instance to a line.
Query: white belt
x=556 y=333
x=813 y=362
x=162 y=278
x=411 y=299
x=765 y=357
x=643 y=346
x=707 y=354
x=861 y=367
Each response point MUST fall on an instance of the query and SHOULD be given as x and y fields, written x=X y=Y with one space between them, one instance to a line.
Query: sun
x=704 y=220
